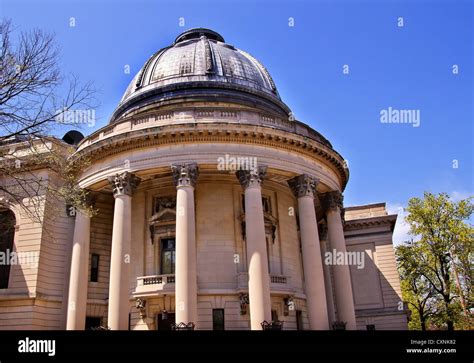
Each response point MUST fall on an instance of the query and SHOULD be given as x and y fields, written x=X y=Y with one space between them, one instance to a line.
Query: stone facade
x=206 y=201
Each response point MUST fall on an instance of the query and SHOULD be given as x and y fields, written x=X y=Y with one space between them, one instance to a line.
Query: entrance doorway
x=164 y=324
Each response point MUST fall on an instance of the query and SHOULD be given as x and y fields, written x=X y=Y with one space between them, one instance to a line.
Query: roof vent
x=73 y=137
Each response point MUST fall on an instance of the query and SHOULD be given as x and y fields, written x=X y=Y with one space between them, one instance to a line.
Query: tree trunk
x=423 y=323
x=449 y=320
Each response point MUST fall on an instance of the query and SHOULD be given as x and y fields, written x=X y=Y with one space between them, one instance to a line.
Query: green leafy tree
x=416 y=290
x=436 y=269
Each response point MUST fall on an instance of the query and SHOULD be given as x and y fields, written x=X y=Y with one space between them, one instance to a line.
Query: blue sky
x=409 y=67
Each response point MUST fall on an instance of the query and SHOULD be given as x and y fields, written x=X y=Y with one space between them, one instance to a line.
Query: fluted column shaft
x=185 y=176
x=342 y=274
x=304 y=187
x=123 y=187
x=77 y=298
x=259 y=277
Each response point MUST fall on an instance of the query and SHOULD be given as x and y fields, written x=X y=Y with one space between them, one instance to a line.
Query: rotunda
x=216 y=208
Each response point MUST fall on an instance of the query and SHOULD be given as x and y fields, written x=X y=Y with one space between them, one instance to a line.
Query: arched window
x=7 y=235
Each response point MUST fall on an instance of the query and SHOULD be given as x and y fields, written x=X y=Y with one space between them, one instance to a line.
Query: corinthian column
x=259 y=278
x=123 y=186
x=332 y=202
x=77 y=298
x=185 y=176
x=323 y=237
x=304 y=188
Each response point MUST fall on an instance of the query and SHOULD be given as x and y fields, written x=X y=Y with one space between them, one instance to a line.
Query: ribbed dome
x=199 y=58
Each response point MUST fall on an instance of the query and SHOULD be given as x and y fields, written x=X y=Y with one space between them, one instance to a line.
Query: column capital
x=332 y=200
x=185 y=174
x=252 y=177
x=124 y=184
x=303 y=185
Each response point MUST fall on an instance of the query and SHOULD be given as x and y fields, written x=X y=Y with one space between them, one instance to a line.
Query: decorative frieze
x=251 y=177
x=162 y=222
x=163 y=203
x=140 y=304
x=244 y=302
x=124 y=184
x=185 y=174
x=303 y=185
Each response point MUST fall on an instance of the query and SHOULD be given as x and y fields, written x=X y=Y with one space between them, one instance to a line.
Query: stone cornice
x=371 y=312
x=148 y=117
x=355 y=224
x=31 y=155
x=215 y=133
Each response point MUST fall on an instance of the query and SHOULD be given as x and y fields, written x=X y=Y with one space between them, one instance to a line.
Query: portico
x=182 y=285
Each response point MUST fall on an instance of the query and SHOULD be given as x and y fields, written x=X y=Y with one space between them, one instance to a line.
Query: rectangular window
x=94 y=268
x=266 y=205
x=299 y=320
x=217 y=319
x=274 y=315
x=7 y=237
x=168 y=256
x=164 y=321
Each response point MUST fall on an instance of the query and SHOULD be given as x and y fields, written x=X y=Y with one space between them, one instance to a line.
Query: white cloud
x=457 y=196
x=400 y=233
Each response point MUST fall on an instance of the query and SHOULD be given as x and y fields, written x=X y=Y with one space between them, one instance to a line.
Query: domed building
x=216 y=210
